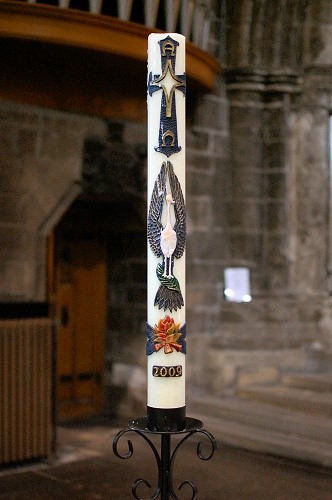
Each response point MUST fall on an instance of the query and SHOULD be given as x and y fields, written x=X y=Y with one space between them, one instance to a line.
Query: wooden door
x=80 y=297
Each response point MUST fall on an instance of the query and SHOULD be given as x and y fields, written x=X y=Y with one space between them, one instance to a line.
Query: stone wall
x=277 y=212
x=125 y=363
x=41 y=160
x=208 y=239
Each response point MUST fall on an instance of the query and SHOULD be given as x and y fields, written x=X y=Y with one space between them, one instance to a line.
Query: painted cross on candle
x=166 y=326
x=169 y=82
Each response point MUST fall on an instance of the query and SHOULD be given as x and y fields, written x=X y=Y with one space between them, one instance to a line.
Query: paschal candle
x=166 y=233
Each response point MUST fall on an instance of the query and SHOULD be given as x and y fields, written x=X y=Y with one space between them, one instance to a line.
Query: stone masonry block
x=246 y=214
x=26 y=142
x=247 y=182
x=204 y=271
x=200 y=294
x=16 y=244
x=220 y=145
x=275 y=154
x=199 y=183
x=200 y=209
x=277 y=309
x=275 y=216
x=203 y=161
x=246 y=312
x=213 y=112
x=11 y=170
x=256 y=375
x=199 y=244
x=196 y=140
x=246 y=246
x=18 y=280
x=10 y=212
x=246 y=153
x=219 y=246
x=275 y=185
x=313 y=179
x=275 y=279
x=246 y=117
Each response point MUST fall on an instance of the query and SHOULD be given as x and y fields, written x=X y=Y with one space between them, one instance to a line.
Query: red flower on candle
x=166 y=335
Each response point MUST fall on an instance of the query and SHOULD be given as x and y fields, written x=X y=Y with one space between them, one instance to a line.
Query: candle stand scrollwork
x=166 y=458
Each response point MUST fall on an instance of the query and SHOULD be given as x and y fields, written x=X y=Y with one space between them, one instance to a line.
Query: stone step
x=303 y=400
x=321 y=382
x=264 y=416
x=264 y=441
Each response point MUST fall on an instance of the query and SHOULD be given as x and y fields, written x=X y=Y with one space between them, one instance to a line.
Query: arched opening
x=95 y=250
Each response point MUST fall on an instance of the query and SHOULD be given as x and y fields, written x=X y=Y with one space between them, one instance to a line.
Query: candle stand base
x=166 y=458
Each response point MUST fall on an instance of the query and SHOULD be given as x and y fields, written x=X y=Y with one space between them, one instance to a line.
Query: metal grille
x=26 y=389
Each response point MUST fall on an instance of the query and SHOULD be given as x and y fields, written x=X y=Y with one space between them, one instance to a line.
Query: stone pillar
x=259 y=219
x=244 y=210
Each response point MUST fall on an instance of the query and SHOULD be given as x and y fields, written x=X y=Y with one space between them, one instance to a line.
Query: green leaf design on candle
x=169 y=282
x=169 y=294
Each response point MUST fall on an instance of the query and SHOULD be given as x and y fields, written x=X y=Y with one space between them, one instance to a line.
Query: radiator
x=26 y=390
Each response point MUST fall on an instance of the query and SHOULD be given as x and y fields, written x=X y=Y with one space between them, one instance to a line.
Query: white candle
x=166 y=232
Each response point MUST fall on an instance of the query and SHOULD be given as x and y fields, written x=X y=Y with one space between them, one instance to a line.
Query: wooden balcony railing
x=101 y=48
x=192 y=18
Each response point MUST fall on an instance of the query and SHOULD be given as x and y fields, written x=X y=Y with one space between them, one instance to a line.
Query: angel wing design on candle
x=167 y=240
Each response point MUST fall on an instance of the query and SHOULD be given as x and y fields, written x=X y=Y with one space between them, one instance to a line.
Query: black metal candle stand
x=165 y=460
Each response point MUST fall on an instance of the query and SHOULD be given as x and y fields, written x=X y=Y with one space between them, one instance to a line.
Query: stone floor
x=85 y=468
x=288 y=417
